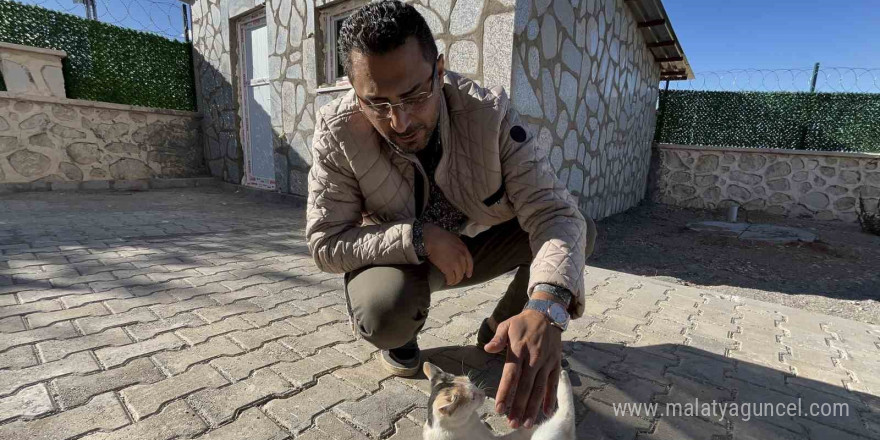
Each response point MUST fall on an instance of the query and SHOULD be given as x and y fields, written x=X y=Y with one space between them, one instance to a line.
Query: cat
x=453 y=405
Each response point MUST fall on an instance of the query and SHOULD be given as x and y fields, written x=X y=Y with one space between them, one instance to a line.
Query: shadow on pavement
x=769 y=403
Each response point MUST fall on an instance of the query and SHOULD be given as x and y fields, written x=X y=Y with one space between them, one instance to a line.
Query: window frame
x=331 y=48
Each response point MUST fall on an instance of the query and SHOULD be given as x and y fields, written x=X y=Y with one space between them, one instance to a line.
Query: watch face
x=558 y=314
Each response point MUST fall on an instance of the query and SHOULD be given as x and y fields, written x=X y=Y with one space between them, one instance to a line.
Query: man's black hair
x=380 y=27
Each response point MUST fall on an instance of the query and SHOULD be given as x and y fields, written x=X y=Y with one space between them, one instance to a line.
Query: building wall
x=578 y=72
x=49 y=139
x=216 y=100
x=587 y=84
x=811 y=184
x=476 y=36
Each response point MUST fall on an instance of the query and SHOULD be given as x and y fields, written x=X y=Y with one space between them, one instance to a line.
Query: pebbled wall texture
x=51 y=140
x=808 y=184
x=578 y=71
x=585 y=80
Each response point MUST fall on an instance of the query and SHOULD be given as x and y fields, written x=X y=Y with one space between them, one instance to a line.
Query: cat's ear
x=450 y=407
x=431 y=370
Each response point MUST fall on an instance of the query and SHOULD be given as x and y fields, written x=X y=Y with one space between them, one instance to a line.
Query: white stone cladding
x=587 y=84
x=578 y=72
x=806 y=184
x=45 y=139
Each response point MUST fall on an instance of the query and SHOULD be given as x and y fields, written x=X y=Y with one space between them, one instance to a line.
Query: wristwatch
x=554 y=311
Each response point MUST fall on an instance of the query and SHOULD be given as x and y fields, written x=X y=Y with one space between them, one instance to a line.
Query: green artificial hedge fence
x=801 y=121
x=105 y=62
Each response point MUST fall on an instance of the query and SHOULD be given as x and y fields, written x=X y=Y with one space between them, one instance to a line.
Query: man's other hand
x=448 y=253
x=531 y=371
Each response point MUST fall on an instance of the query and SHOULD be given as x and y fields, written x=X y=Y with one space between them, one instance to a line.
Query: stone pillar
x=32 y=70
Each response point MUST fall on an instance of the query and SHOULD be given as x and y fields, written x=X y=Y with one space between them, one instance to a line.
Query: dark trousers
x=389 y=304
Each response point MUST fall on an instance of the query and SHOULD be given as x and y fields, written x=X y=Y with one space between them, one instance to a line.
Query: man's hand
x=448 y=253
x=531 y=371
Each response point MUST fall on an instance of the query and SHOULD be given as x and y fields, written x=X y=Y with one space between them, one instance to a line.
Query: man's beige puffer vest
x=361 y=203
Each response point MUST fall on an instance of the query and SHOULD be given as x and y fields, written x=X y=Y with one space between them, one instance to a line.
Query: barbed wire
x=828 y=79
x=160 y=17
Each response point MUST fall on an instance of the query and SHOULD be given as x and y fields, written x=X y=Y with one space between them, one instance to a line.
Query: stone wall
x=216 y=101
x=579 y=72
x=811 y=184
x=587 y=84
x=47 y=139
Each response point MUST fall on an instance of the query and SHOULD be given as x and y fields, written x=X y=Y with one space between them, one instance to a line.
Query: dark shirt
x=444 y=214
x=439 y=210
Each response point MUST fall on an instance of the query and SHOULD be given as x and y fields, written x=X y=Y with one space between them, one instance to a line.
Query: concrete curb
x=153 y=184
x=262 y=194
x=108 y=185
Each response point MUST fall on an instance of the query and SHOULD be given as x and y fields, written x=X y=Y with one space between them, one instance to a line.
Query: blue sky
x=163 y=17
x=772 y=34
x=715 y=34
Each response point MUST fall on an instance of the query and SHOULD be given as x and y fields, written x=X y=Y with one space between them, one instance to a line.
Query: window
x=335 y=71
x=331 y=19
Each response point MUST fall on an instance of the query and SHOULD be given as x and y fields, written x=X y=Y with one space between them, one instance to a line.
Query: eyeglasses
x=407 y=105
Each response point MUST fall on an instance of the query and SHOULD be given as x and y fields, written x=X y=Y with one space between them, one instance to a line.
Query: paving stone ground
x=198 y=314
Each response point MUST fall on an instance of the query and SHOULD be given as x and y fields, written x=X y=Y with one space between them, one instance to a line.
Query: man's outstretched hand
x=531 y=371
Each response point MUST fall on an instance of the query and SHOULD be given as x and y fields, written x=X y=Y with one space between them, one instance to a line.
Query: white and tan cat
x=453 y=413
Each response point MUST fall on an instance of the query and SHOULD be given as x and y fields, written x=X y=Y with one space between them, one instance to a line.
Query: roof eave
x=661 y=40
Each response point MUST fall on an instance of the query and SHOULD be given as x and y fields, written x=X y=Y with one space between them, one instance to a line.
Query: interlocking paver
x=169 y=310
x=177 y=420
x=303 y=371
x=218 y=405
x=61 y=330
x=74 y=390
x=375 y=413
x=27 y=402
x=103 y=412
x=601 y=422
x=359 y=349
x=71 y=301
x=124 y=305
x=97 y=324
x=112 y=356
x=197 y=335
x=253 y=338
x=240 y=367
x=310 y=323
x=277 y=313
x=269 y=352
x=149 y=330
x=19 y=357
x=23 y=309
x=57 y=349
x=252 y=424
x=176 y=362
x=37 y=320
x=327 y=426
x=326 y=336
x=237 y=295
x=296 y=412
x=10 y=380
x=368 y=376
x=143 y=400
x=217 y=313
x=12 y=324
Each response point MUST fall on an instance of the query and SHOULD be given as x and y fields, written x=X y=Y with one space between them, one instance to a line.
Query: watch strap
x=560 y=293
